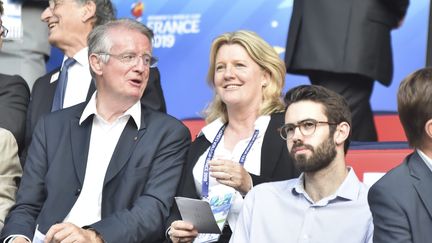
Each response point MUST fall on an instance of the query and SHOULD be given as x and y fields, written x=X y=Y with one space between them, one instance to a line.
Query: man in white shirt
x=327 y=203
x=70 y=22
x=105 y=170
x=401 y=201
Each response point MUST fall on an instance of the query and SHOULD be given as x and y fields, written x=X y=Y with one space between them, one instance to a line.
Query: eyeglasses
x=306 y=127
x=3 y=31
x=132 y=59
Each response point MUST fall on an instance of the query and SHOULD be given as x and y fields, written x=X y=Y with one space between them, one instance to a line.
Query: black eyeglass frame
x=283 y=130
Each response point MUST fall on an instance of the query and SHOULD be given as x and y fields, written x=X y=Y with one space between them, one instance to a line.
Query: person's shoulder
x=395 y=178
x=155 y=115
x=275 y=186
x=65 y=114
x=9 y=80
x=161 y=120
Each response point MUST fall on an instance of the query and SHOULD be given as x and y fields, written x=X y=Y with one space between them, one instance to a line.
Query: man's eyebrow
x=307 y=119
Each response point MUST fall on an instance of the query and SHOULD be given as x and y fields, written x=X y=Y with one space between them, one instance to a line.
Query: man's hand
x=182 y=231
x=67 y=232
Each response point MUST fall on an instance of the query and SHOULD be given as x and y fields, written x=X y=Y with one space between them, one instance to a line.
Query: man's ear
x=88 y=11
x=428 y=128
x=341 y=133
x=96 y=64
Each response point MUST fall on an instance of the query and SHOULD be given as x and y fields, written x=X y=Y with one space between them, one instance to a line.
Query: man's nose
x=46 y=14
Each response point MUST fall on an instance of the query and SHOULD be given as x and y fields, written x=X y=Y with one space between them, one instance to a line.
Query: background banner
x=184 y=31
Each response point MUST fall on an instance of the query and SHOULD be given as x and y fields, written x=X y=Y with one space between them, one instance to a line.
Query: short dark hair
x=1 y=8
x=415 y=104
x=335 y=106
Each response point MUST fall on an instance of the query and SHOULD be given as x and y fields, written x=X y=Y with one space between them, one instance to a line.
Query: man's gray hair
x=99 y=40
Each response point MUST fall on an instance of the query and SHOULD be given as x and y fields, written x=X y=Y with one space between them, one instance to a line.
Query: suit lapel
x=91 y=90
x=422 y=180
x=124 y=148
x=272 y=147
x=46 y=98
x=80 y=136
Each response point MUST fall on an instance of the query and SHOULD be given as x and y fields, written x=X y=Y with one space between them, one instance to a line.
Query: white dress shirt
x=279 y=212
x=103 y=140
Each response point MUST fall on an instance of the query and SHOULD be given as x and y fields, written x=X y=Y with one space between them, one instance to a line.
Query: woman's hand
x=231 y=174
x=182 y=231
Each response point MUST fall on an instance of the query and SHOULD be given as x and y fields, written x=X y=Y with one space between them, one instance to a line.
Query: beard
x=321 y=157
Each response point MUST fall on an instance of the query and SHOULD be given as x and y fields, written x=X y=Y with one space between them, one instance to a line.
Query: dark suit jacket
x=14 y=99
x=139 y=185
x=43 y=95
x=275 y=162
x=343 y=36
x=401 y=203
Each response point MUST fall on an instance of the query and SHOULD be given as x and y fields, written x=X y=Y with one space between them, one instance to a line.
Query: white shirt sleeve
x=11 y=238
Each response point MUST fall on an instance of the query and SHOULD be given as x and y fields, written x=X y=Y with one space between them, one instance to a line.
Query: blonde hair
x=262 y=54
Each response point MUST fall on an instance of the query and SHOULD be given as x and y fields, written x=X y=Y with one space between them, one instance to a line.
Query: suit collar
x=90 y=109
x=422 y=179
x=272 y=147
x=80 y=140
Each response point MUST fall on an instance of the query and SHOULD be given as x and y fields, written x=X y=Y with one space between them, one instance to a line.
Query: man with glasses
x=327 y=203
x=69 y=23
x=106 y=170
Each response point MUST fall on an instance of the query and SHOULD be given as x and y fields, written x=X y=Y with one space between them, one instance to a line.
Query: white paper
x=198 y=213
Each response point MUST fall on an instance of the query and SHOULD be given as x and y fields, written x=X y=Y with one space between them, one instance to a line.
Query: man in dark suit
x=69 y=25
x=106 y=169
x=14 y=98
x=401 y=201
x=345 y=45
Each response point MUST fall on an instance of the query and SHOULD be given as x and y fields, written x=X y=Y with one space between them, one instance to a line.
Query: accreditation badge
x=220 y=199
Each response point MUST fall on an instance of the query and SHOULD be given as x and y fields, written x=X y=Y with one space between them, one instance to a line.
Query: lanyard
x=210 y=154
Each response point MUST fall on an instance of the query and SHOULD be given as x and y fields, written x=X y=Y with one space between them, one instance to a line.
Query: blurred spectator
x=26 y=56
x=10 y=172
x=344 y=45
x=401 y=201
x=14 y=98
